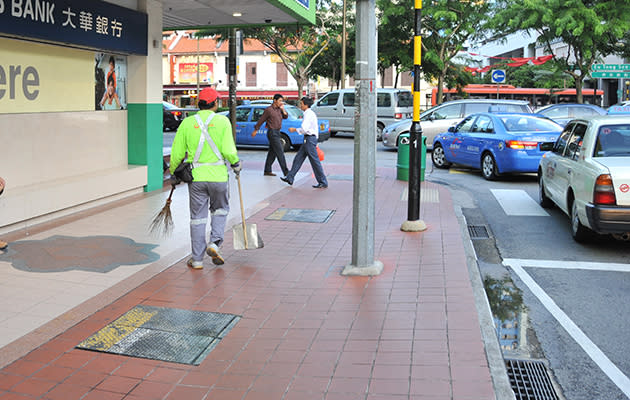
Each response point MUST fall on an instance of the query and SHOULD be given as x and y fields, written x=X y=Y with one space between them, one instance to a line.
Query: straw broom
x=163 y=221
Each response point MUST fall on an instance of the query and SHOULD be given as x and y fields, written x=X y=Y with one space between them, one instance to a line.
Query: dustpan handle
x=240 y=197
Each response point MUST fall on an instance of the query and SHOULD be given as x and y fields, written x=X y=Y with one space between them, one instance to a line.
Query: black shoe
x=269 y=174
x=285 y=179
x=320 y=186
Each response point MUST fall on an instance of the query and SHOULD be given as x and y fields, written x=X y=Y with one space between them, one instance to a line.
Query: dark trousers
x=275 y=151
x=308 y=150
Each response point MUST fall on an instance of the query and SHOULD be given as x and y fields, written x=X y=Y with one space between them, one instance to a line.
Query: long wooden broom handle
x=168 y=200
x=240 y=197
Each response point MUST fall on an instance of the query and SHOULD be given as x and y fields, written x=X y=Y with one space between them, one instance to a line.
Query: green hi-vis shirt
x=187 y=139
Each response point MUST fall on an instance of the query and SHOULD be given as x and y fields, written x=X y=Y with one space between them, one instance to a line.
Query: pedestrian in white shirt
x=310 y=130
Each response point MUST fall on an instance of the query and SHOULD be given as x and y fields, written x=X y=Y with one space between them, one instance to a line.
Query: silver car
x=439 y=118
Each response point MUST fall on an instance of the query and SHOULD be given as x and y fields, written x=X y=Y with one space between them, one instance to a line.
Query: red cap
x=208 y=95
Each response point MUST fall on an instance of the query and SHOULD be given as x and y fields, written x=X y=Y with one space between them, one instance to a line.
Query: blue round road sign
x=498 y=76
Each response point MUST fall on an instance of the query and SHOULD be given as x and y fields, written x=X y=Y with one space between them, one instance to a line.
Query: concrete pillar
x=144 y=123
x=363 y=214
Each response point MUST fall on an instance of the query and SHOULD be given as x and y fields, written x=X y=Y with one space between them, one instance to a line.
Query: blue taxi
x=248 y=114
x=495 y=143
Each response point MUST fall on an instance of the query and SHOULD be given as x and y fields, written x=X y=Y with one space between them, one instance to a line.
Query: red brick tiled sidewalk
x=306 y=331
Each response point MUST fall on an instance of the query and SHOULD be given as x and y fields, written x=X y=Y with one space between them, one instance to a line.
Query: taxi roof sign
x=619 y=110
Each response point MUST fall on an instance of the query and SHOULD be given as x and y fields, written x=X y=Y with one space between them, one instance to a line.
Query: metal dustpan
x=246 y=237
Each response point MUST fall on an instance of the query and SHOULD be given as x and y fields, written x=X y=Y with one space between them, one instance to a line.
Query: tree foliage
x=589 y=30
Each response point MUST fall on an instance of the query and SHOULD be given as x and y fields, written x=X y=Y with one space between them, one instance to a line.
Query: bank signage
x=89 y=24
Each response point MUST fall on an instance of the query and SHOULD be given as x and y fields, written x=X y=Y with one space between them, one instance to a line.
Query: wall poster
x=110 y=81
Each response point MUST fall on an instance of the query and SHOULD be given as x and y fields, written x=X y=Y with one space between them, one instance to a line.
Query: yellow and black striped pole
x=413 y=222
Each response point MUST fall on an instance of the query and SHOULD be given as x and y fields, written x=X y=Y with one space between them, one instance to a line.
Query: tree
x=450 y=25
x=395 y=34
x=328 y=63
x=590 y=29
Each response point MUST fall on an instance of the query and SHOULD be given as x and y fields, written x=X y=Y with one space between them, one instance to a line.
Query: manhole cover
x=167 y=334
x=530 y=380
x=301 y=215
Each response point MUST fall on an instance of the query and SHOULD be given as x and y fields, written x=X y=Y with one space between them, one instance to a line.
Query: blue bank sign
x=88 y=24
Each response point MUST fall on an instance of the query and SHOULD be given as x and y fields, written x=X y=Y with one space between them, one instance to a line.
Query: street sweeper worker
x=207 y=139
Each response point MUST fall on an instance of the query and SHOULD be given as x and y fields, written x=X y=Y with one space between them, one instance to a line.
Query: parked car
x=565 y=112
x=172 y=115
x=495 y=143
x=338 y=107
x=586 y=174
x=248 y=114
x=437 y=119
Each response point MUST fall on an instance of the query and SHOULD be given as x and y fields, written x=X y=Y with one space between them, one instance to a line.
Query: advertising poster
x=188 y=72
x=110 y=82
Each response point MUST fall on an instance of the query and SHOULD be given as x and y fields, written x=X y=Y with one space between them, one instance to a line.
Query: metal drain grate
x=478 y=232
x=530 y=380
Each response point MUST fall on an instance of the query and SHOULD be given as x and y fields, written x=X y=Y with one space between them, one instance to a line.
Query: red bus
x=537 y=97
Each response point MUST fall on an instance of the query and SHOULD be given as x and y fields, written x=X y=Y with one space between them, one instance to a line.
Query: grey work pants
x=204 y=196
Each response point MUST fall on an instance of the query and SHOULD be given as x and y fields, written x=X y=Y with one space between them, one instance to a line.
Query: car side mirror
x=452 y=128
x=547 y=146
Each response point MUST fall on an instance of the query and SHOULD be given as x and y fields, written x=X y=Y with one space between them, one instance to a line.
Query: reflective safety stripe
x=198 y=221
x=220 y=211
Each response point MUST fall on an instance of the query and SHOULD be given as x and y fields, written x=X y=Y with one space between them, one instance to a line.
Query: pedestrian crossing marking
x=517 y=202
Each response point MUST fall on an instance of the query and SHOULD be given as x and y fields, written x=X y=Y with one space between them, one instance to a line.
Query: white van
x=338 y=108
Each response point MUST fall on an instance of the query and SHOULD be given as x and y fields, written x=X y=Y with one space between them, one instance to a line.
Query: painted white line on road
x=518 y=203
x=586 y=265
x=598 y=356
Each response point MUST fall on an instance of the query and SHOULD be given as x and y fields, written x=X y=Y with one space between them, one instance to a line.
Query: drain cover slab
x=300 y=215
x=167 y=334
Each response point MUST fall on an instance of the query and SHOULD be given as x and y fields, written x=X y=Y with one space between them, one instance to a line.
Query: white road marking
x=518 y=202
x=598 y=356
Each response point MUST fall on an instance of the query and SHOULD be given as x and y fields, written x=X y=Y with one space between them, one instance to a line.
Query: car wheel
x=286 y=143
x=545 y=202
x=333 y=133
x=379 y=131
x=488 y=167
x=579 y=232
x=438 y=158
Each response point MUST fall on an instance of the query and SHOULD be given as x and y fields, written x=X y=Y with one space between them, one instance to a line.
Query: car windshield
x=613 y=141
x=527 y=123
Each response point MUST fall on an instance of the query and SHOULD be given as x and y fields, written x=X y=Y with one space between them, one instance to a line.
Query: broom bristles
x=163 y=221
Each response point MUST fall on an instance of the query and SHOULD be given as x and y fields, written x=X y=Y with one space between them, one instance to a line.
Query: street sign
x=610 y=67
x=611 y=75
x=498 y=76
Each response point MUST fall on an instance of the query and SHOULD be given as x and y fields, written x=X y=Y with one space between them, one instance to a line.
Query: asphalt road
x=575 y=295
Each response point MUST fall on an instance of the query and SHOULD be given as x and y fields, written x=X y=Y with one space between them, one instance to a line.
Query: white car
x=587 y=175
x=438 y=119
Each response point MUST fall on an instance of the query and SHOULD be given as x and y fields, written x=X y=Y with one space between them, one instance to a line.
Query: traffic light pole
x=413 y=223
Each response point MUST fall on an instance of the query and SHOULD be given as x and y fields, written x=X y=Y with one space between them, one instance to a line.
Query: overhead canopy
x=190 y=14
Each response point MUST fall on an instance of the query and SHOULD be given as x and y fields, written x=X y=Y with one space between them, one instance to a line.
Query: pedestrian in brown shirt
x=273 y=116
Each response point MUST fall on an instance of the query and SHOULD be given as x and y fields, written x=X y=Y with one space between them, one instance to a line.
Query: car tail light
x=176 y=113
x=521 y=145
x=604 y=192
x=398 y=115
